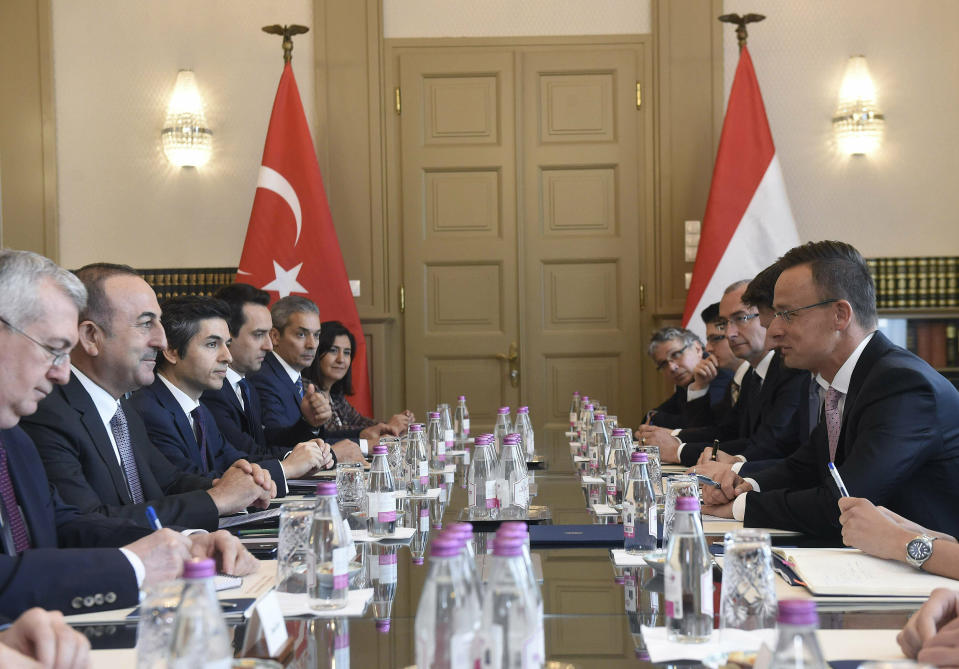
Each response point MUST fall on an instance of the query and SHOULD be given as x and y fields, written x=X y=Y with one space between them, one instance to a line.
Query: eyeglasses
x=672 y=356
x=59 y=357
x=715 y=338
x=787 y=316
x=738 y=320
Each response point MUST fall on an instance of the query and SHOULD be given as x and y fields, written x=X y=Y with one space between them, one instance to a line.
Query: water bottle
x=417 y=462
x=463 y=532
x=513 y=493
x=383 y=579
x=200 y=637
x=616 y=467
x=446 y=422
x=461 y=420
x=447 y=618
x=520 y=530
x=585 y=429
x=330 y=587
x=510 y=625
x=574 y=410
x=481 y=480
x=598 y=443
x=639 y=508
x=381 y=521
x=436 y=441
x=688 y=580
x=796 y=645
x=525 y=428
x=421 y=536
x=501 y=429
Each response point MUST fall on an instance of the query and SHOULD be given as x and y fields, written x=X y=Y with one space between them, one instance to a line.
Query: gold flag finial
x=740 y=22
x=287 y=32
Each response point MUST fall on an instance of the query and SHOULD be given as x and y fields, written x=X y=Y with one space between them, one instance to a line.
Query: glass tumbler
x=682 y=485
x=748 y=600
x=350 y=487
x=655 y=471
x=155 y=627
x=294 y=556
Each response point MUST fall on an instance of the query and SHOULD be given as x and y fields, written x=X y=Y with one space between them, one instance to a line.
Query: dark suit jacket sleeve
x=225 y=455
x=279 y=426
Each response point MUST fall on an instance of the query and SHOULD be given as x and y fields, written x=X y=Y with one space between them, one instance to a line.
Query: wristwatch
x=919 y=550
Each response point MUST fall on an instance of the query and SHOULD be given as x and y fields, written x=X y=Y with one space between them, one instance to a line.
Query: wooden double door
x=525 y=210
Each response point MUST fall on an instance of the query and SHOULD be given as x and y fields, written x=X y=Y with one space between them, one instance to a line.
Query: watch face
x=919 y=549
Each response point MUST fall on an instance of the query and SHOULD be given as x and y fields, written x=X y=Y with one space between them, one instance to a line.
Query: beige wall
x=115 y=63
x=903 y=200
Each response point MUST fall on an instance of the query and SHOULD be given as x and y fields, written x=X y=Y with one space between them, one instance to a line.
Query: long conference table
x=586 y=621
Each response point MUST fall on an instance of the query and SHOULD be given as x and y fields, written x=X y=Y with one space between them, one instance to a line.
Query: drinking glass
x=655 y=470
x=681 y=485
x=350 y=486
x=156 y=624
x=294 y=556
x=748 y=600
x=394 y=456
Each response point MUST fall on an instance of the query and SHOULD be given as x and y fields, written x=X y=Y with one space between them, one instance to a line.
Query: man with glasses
x=890 y=422
x=697 y=377
x=764 y=422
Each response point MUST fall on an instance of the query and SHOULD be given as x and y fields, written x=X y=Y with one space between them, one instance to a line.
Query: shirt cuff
x=365 y=447
x=696 y=394
x=679 y=450
x=737 y=466
x=139 y=570
x=739 y=507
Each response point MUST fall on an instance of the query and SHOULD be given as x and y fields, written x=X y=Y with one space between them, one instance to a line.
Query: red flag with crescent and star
x=291 y=246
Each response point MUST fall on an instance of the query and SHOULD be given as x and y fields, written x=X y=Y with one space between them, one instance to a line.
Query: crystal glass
x=394 y=456
x=350 y=486
x=655 y=470
x=679 y=486
x=748 y=600
x=294 y=556
x=155 y=627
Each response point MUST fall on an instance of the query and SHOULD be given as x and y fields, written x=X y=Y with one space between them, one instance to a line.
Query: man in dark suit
x=195 y=360
x=764 y=422
x=93 y=443
x=39 y=305
x=235 y=406
x=891 y=422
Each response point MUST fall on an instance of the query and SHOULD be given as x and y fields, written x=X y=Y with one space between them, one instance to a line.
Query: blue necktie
x=299 y=386
x=247 y=403
x=201 y=438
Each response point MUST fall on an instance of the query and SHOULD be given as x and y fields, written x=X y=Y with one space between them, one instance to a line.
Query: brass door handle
x=513 y=359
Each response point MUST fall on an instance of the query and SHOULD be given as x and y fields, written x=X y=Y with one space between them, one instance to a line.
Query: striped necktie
x=121 y=434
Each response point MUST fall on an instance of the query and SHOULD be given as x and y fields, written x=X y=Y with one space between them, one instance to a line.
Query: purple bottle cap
x=589 y=405
x=511 y=439
x=326 y=489
x=418 y=560
x=462 y=398
x=424 y=512
x=576 y=393
x=434 y=414
x=416 y=427
x=638 y=457
x=482 y=439
x=507 y=546
x=463 y=529
x=797 y=612
x=513 y=527
x=383 y=625
x=619 y=580
x=685 y=503
x=379 y=449
x=445 y=546
x=503 y=411
x=599 y=416
x=619 y=431
x=199 y=568
x=523 y=410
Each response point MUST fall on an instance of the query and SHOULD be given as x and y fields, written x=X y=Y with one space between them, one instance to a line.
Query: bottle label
x=440 y=448
x=491 y=645
x=629 y=519
x=466 y=457
x=450 y=437
x=653 y=520
x=387 y=568
x=383 y=504
x=461 y=649
x=706 y=588
x=521 y=492
x=531 y=652
x=630 y=592
x=341 y=563
x=673 y=593
x=448 y=477
x=572 y=418
x=503 y=491
x=471 y=494
x=424 y=471
x=466 y=426
x=424 y=523
x=492 y=501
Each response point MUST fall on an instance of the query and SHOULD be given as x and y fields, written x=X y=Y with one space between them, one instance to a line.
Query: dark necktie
x=244 y=386
x=201 y=437
x=833 y=420
x=11 y=512
x=751 y=390
x=299 y=386
x=121 y=435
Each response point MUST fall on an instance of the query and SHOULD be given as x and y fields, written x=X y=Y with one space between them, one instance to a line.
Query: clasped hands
x=718 y=501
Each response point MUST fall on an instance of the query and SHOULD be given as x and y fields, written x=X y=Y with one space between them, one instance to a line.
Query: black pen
x=715 y=448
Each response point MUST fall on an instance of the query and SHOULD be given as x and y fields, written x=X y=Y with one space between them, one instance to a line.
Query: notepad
x=250 y=518
x=850 y=572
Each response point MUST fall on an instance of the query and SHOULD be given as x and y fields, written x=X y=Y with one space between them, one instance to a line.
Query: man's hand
x=306 y=458
x=162 y=554
x=721 y=456
x=315 y=406
x=230 y=554
x=731 y=486
x=374 y=432
x=942 y=649
x=719 y=510
x=348 y=451
x=866 y=527
x=326 y=452
x=45 y=637
x=400 y=422
x=939 y=611
x=714 y=470
x=11 y=659
x=237 y=489
x=704 y=372
x=661 y=437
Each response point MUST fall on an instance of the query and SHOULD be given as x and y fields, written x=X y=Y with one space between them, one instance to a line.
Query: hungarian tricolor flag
x=748 y=223
x=291 y=246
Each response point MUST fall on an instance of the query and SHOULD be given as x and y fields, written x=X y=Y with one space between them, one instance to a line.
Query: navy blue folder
x=571 y=536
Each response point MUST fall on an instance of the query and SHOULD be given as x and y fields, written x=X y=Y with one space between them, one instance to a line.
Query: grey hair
x=21 y=273
x=735 y=286
x=670 y=333
x=289 y=305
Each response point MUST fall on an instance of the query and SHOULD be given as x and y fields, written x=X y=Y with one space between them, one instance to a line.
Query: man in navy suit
x=891 y=422
x=236 y=405
x=39 y=306
x=195 y=360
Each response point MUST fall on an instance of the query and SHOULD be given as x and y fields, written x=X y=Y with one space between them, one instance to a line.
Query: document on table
x=714 y=526
x=248 y=518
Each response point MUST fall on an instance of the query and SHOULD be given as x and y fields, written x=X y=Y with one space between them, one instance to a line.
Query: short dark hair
x=236 y=295
x=710 y=314
x=839 y=272
x=329 y=331
x=181 y=319
x=759 y=292
x=98 y=309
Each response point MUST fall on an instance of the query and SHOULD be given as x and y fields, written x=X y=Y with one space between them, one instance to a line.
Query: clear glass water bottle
x=446 y=422
x=481 y=479
x=422 y=535
x=796 y=645
x=574 y=410
x=525 y=427
x=514 y=491
x=585 y=429
x=520 y=530
x=436 y=441
x=382 y=574
x=461 y=420
x=640 y=525
x=381 y=521
x=688 y=580
x=501 y=429
x=510 y=625
x=463 y=533
x=200 y=638
x=447 y=619
x=616 y=467
x=417 y=462
x=330 y=587
x=598 y=443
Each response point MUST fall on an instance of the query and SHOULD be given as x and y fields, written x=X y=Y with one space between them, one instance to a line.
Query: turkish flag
x=748 y=222
x=291 y=245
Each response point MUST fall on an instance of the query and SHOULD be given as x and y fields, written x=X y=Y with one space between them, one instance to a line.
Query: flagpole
x=740 y=23
x=287 y=32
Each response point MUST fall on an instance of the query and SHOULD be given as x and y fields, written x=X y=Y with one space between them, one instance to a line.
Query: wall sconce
x=187 y=141
x=858 y=124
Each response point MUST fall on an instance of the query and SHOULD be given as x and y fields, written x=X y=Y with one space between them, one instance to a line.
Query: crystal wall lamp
x=187 y=141
x=858 y=123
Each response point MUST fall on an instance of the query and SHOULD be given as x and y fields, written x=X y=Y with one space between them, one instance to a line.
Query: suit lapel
x=874 y=350
x=284 y=378
x=169 y=404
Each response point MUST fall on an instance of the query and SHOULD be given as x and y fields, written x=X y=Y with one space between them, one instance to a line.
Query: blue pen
x=152 y=517
x=838 y=479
